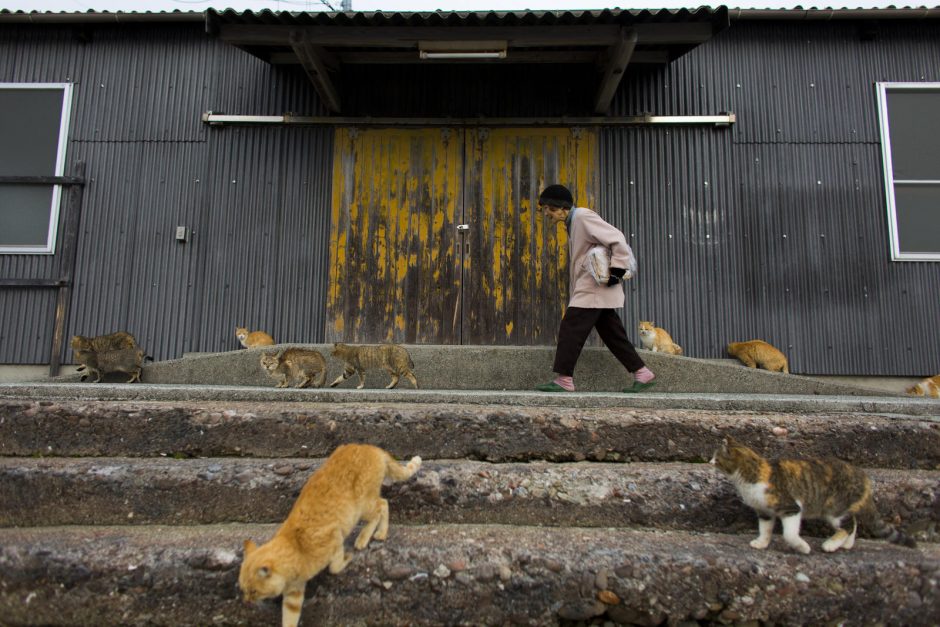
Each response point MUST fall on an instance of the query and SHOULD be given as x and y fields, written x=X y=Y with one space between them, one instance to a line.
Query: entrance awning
x=608 y=41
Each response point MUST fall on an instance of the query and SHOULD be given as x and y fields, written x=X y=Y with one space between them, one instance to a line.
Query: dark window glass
x=30 y=120
x=918 y=210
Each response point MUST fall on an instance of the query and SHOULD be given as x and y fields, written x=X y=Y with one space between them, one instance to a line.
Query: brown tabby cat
x=759 y=354
x=295 y=364
x=85 y=349
x=104 y=362
x=112 y=341
x=791 y=489
x=345 y=490
x=358 y=359
x=250 y=339
x=657 y=339
x=928 y=387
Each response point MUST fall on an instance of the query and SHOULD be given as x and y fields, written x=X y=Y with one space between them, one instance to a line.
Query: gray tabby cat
x=300 y=365
x=392 y=357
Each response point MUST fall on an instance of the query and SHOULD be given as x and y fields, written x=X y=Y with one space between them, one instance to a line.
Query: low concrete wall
x=511 y=368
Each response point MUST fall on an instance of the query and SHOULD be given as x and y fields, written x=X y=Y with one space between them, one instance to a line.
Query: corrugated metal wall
x=774 y=227
x=256 y=200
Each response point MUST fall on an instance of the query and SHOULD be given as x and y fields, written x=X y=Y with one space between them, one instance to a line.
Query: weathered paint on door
x=393 y=266
x=516 y=279
x=401 y=270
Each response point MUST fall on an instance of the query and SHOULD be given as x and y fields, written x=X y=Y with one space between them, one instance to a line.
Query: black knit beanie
x=556 y=196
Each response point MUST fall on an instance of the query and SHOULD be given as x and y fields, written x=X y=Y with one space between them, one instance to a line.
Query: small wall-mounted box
x=182 y=234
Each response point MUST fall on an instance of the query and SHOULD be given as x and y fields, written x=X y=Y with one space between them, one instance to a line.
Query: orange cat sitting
x=253 y=338
x=657 y=339
x=345 y=490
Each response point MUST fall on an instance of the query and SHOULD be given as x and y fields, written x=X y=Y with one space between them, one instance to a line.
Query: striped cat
x=343 y=491
x=792 y=489
x=392 y=357
x=86 y=349
x=99 y=363
x=300 y=365
x=759 y=354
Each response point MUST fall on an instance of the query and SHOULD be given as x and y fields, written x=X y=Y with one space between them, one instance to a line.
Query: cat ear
x=249 y=546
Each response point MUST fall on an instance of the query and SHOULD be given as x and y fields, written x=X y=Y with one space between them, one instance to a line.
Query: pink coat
x=587 y=229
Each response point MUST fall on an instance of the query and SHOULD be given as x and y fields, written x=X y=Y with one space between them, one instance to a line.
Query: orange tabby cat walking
x=759 y=354
x=253 y=338
x=928 y=387
x=345 y=490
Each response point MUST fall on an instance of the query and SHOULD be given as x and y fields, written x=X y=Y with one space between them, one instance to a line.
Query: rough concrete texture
x=215 y=394
x=465 y=575
x=510 y=368
x=693 y=497
x=488 y=433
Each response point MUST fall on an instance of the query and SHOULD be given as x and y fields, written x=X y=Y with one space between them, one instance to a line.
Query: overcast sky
x=408 y=5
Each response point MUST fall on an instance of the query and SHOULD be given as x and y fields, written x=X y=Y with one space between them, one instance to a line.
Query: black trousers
x=574 y=331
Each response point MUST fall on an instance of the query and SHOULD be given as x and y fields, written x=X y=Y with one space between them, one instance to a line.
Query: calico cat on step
x=794 y=489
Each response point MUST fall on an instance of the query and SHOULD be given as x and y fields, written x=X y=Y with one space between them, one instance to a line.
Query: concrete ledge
x=490 y=575
x=691 y=497
x=493 y=433
x=510 y=368
x=926 y=408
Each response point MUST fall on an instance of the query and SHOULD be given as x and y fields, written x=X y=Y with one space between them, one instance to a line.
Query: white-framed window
x=34 y=121
x=910 y=144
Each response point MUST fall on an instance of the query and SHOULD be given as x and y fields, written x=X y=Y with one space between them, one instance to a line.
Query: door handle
x=463 y=228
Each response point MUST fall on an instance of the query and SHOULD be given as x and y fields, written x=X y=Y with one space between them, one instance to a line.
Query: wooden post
x=69 y=253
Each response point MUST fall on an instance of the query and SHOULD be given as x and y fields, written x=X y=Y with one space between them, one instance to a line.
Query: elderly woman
x=592 y=304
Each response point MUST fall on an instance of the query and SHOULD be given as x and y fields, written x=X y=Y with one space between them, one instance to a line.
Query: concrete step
x=509 y=368
x=495 y=433
x=789 y=403
x=691 y=497
x=465 y=575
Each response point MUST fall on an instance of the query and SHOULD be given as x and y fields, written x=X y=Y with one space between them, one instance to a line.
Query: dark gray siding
x=776 y=228
x=256 y=200
x=773 y=228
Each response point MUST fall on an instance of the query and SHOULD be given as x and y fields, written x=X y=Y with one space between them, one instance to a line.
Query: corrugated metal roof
x=444 y=17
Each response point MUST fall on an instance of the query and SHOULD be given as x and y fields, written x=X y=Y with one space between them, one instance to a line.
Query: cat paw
x=414 y=464
x=801 y=547
x=834 y=544
x=760 y=544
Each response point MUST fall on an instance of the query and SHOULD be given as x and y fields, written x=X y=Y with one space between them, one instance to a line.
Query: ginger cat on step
x=657 y=340
x=928 y=387
x=343 y=491
x=250 y=339
x=759 y=354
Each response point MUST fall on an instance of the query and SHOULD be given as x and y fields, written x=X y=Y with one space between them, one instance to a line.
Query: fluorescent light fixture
x=469 y=54
x=462 y=49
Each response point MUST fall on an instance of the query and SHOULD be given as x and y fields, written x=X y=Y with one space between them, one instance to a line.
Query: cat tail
x=884 y=530
x=398 y=472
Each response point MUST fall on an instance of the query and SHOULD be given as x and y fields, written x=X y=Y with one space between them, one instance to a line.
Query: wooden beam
x=616 y=65
x=316 y=71
x=42 y=180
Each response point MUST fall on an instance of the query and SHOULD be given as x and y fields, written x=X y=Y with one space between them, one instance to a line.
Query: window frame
x=64 y=120
x=883 y=89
